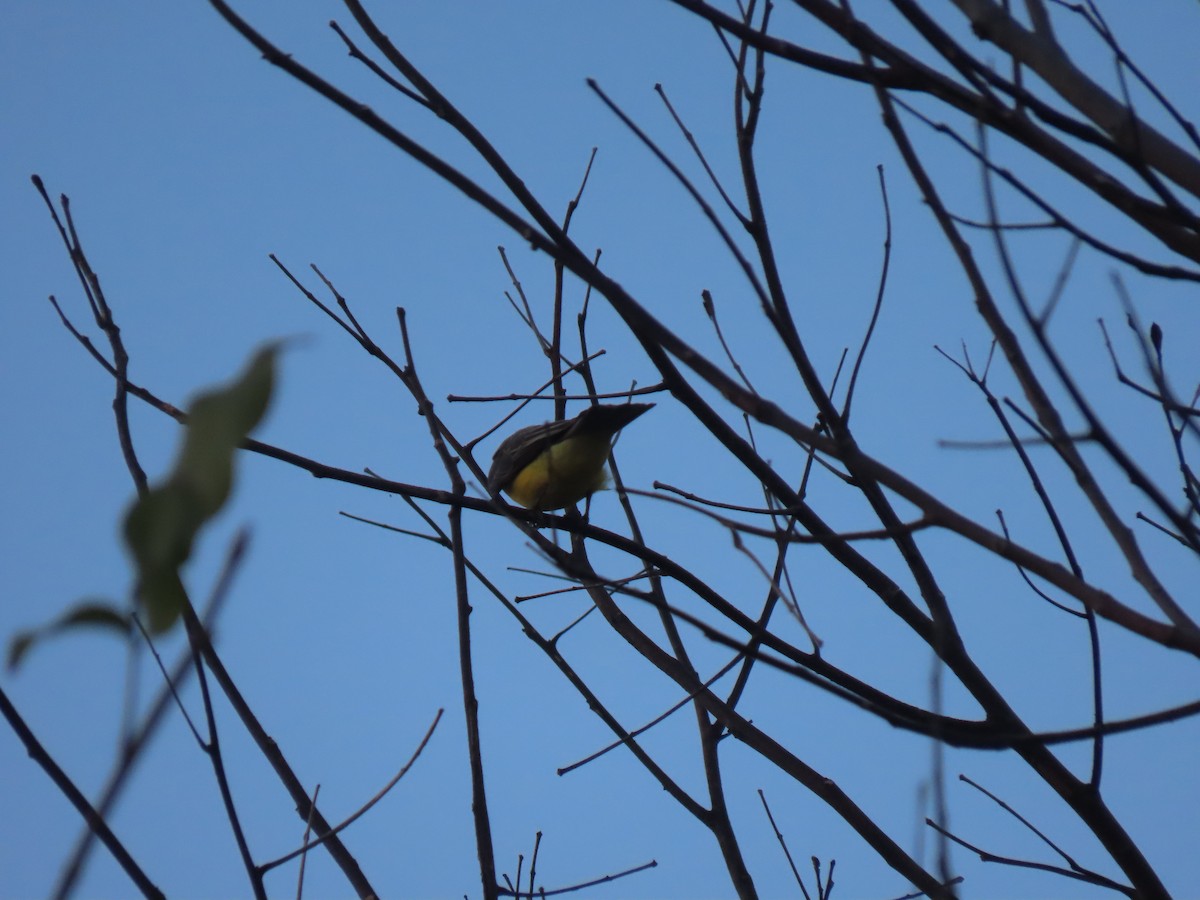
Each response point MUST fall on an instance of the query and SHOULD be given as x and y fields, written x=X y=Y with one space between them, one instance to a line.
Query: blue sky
x=188 y=160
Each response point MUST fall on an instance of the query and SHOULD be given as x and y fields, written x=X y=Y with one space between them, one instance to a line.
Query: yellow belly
x=564 y=474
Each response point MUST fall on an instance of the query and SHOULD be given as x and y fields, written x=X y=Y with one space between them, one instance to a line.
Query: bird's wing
x=521 y=448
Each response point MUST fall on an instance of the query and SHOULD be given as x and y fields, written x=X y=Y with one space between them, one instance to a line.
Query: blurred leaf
x=162 y=525
x=86 y=614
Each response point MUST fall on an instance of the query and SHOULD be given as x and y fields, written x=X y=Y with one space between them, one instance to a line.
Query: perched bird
x=555 y=464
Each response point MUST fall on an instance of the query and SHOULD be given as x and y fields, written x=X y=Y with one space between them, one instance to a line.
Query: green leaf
x=218 y=422
x=85 y=614
x=162 y=525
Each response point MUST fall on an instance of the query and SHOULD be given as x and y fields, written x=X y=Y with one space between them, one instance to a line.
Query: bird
x=555 y=464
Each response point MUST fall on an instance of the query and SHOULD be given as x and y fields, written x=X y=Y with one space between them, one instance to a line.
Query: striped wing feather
x=521 y=448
